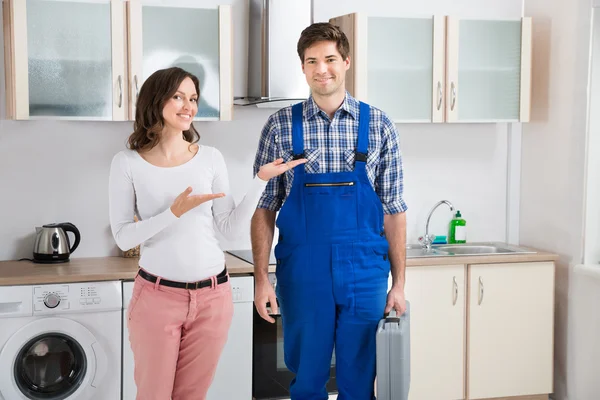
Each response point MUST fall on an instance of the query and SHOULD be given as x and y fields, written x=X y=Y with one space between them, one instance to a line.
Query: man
x=336 y=246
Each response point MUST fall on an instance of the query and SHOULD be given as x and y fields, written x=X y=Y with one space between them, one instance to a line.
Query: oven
x=270 y=376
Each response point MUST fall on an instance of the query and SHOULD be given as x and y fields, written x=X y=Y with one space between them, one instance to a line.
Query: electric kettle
x=52 y=243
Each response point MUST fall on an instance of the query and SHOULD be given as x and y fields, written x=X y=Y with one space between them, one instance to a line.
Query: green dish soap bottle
x=458 y=229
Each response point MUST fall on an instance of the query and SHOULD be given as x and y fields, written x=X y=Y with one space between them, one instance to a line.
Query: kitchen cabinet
x=397 y=64
x=440 y=69
x=437 y=299
x=481 y=331
x=178 y=33
x=65 y=59
x=68 y=59
x=510 y=329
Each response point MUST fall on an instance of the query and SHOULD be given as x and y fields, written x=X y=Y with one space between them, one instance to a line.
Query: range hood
x=275 y=77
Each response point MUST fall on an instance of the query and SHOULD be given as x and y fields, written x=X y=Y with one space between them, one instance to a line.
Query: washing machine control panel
x=51 y=297
x=52 y=300
x=87 y=296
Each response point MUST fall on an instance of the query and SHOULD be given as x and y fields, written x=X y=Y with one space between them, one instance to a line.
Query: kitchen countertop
x=89 y=270
x=116 y=268
x=483 y=259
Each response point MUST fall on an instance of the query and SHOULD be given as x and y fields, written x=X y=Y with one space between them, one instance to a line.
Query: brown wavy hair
x=154 y=94
x=323 y=32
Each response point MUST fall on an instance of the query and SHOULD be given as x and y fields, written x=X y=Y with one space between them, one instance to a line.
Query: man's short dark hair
x=323 y=32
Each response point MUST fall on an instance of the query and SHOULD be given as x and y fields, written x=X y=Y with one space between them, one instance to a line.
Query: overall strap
x=362 y=146
x=297 y=131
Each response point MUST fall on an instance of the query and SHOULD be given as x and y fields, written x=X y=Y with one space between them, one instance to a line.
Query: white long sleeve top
x=182 y=249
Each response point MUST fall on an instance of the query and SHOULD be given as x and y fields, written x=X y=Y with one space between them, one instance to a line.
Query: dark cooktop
x=246 y=255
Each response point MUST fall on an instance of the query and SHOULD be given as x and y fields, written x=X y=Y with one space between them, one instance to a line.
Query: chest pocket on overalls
x=330 y=205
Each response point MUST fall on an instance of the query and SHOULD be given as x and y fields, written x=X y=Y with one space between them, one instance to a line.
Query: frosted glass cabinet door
x=488 y=74
x=177 y=34
x=400 y=67
x=63 y=55
x=397 y=64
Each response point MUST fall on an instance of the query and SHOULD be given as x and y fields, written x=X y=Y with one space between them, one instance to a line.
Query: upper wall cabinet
x=440 y=69
x=397 y=65
x=488 y=70
x=68 y=59
x=165 y=34
x=65 y=59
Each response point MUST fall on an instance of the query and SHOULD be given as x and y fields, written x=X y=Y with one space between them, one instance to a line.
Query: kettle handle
x=69 y=227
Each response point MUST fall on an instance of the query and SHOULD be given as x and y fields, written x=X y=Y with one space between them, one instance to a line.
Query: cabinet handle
x=120 y=82
x=137 y=90
x=480 y=291
x=453 y=94
x=455 y=291
x=440 y=94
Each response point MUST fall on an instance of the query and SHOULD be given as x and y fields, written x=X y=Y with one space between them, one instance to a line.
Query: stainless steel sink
x=483 y=249
x=466 y=249
x=417 y=252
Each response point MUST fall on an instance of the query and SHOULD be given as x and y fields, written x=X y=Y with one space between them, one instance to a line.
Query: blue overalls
x=332 y=273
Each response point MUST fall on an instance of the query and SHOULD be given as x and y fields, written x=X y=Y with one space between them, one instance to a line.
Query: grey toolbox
x=393 y=356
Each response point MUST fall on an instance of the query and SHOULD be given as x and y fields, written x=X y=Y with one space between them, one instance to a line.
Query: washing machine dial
x=52 y=300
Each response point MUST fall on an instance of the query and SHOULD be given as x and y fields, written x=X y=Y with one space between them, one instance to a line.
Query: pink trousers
x=177 y=336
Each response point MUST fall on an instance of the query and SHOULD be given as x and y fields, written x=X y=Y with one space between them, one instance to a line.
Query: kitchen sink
x=466 y=249
x=420 y=252
x=483 y=249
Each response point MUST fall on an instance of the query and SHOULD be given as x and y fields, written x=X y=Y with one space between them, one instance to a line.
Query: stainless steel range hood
x=275 y=77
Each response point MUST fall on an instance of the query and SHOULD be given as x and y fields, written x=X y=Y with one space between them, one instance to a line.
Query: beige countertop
x=116 y=268
x=481 y=259
x=89 y=270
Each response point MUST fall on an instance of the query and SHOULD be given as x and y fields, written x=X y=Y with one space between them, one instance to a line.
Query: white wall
x=553 y=156
x=53 y=171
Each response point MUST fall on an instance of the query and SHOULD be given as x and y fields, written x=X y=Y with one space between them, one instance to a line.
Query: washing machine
x=236 y=359
x=61 y=341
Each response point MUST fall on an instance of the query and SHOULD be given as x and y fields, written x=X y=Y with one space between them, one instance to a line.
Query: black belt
x=221 y=278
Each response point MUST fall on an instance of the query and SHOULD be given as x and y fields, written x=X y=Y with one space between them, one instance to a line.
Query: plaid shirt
x=329 y=146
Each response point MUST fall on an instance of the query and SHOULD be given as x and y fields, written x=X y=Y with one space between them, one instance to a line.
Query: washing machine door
x=51 y=359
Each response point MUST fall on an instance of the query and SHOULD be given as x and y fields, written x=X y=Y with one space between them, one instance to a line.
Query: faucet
x=428 y=239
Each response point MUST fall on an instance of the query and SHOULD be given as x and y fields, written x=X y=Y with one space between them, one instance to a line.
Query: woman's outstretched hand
x=278 y=167
x=185 y=202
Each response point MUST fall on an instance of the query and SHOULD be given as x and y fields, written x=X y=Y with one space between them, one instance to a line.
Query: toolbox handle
x=392 y=316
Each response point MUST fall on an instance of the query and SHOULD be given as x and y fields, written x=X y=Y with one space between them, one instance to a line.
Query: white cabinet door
x=397 y=64
x=65 y=59
x=488 y=67
x=164 y=34
x=437 y=298
x=440 y=69
x=510 y=329
x=402 y=79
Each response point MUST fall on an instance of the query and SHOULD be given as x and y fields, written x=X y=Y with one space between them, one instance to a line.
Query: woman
x=181 y=307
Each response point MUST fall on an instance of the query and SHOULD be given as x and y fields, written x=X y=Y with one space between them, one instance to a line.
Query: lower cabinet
x=510 y=329
x=437 y=299
x=481 y=331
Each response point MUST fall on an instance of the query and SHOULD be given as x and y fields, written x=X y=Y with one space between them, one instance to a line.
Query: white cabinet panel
x=510 y=333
